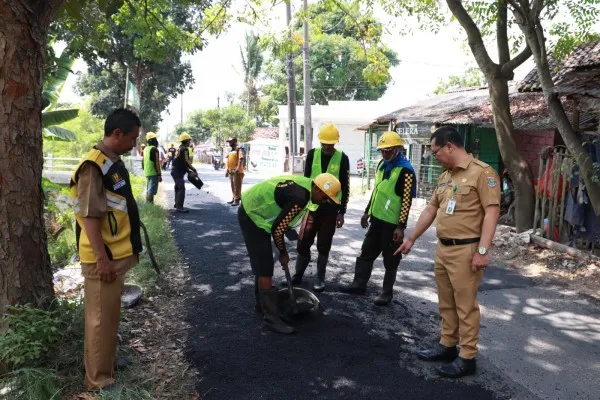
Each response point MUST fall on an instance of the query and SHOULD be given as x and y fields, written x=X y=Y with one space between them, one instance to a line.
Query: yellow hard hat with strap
x=329 y=134
x=389 y=139
x=184 y=136
x=150 y=135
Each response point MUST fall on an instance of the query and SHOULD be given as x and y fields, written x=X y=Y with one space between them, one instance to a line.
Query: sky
x=425 y=59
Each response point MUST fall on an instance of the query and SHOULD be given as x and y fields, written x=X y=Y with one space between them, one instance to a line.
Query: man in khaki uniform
x=467 y=205
x=108 y=241
x=235 y=170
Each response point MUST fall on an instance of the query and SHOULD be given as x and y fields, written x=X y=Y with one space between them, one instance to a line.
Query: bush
x=29 y=334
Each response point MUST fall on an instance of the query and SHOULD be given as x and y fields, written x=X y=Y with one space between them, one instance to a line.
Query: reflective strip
x=116 y=202
x=106 y=166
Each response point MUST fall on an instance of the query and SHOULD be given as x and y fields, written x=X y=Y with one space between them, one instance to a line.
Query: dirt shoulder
x=551 y=268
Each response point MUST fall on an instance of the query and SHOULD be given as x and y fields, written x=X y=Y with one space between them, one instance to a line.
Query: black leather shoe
x=438 y=353
x=458 y=368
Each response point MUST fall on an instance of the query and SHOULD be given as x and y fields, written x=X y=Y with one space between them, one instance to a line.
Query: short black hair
x=447 y=134
x=153 y=142
x=121 y=119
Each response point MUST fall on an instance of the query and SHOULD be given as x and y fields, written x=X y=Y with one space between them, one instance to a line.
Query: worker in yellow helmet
x=322 y=220
x=387 y=212
x=151 y=166
x=182 y=166
x=268 y=208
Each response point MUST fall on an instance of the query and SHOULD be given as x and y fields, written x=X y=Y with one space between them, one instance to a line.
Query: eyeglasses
x=434 y=152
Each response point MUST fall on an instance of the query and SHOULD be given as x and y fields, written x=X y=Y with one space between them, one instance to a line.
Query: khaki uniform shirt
x=93 y=204
x=473 y=185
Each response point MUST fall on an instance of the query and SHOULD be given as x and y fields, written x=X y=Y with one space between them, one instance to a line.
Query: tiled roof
x=529 y=112
x=266 y=133
x=583 y=60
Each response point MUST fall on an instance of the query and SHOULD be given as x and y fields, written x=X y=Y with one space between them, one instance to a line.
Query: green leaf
x=58 y=133
x=58 y=117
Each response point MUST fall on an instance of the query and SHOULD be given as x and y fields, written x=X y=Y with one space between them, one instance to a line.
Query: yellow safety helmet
x=328 y=185
x=184 y=136
x=329 y=134
x=150 y=135
x=389 y=139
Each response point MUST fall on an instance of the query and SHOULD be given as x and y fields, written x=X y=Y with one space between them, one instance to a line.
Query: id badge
x=451 y=206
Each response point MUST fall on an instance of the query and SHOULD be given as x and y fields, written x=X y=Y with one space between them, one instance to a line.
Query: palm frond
x=57 y=117
x=58 y=133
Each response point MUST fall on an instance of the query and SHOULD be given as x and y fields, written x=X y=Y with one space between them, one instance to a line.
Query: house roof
x=437 y=107
x=266 y=133
x=529 y=112
x=577 y=74
x=473 y=107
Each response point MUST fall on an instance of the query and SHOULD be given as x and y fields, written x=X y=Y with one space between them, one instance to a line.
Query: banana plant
x=53 y=85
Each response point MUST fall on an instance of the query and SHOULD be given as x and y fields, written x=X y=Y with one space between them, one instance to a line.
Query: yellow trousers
x=457 y=294
x=102 y=304
x=236 y=179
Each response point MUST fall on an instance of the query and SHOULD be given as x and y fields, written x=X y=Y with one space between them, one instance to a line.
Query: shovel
x=295 y=302
x=288 y=278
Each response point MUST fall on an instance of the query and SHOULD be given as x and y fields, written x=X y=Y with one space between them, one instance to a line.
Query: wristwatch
x=482 y=251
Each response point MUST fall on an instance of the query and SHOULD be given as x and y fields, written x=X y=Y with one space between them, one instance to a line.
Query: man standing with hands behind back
x=466 y=203
x=108 y=241
x=235 y=170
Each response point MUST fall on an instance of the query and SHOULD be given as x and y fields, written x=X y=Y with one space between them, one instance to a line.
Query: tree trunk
x=558 y=114
x=513 y=160
x=25 y=274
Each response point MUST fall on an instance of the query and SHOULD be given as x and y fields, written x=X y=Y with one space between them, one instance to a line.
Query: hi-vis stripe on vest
x=120 y=228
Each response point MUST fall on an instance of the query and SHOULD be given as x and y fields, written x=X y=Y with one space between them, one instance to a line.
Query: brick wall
x=530 y=143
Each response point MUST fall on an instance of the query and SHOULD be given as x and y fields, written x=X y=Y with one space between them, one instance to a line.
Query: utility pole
x=291 y=83
x=308 y=133
x=126 y=88
x=219 y=126
x=181 y=115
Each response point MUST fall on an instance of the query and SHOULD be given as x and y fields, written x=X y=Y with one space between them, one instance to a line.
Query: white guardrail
x=60 y=169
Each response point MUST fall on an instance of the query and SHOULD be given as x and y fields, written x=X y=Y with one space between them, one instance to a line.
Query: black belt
x=458 y=242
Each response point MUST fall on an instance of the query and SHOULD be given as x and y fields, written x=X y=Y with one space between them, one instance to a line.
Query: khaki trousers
x=102 y=304
x=236 y=179
x=457 y=294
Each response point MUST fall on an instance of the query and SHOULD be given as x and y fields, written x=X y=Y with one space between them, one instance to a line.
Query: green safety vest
x=260 y=205
x=191 y=154
x=333 y=168
x=385 y=203
x=149 y=166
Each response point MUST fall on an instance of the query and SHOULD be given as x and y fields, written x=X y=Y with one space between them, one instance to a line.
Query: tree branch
x=511 y=65
x=474 y=35
x=502 y=33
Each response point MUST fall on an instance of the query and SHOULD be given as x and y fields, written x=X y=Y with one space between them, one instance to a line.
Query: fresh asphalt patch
x=355 y=350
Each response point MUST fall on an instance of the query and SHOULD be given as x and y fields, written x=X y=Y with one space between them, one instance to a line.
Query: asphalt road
x=355 y=350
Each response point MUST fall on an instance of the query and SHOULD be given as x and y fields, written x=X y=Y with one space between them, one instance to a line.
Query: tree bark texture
x=25 y=274
x=532 y=29
x=497 y=77
x=513 y=160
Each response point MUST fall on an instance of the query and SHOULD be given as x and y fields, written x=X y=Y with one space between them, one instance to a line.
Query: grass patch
x=164 y=248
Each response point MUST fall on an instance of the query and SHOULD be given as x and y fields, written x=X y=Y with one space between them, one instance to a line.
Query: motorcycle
x=216 y=161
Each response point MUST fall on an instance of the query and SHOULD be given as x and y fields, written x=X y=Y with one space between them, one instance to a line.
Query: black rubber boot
x=149 y=198
x=268 y=301
x=235 y=203
x=257 y=306
x=388 y=287
x=179 y=199
x=319 y=284
x=362 y=273
x=301 y=265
